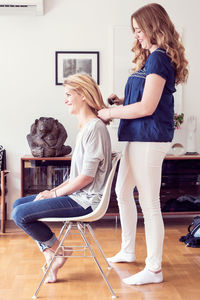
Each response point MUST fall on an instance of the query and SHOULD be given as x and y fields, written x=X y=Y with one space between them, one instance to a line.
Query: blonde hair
x=154 y=21
x=86 y=86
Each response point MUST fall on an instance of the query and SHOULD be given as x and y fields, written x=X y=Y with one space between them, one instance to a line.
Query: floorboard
x=21 y=261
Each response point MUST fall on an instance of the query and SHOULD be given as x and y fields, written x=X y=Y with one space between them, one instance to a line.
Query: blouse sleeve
x=158 y=63
x=93 y=152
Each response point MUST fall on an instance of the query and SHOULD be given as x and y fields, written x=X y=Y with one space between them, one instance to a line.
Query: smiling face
x=142 y=38
x=73 y=100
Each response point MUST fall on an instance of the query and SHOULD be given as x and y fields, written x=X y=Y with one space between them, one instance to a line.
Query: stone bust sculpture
x=47 y=138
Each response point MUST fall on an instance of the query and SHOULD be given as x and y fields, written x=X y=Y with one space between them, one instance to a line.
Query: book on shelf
x=59 y=175
x=38 y=177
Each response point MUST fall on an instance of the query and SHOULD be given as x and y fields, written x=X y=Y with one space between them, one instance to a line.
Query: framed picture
x=71 y=62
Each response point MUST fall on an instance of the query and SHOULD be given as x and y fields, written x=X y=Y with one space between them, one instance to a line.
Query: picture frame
x=71 y=62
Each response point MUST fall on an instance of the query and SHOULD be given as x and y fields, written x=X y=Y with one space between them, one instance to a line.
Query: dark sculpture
x=47 y=138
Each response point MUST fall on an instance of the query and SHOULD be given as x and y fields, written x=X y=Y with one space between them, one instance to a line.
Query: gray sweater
x=91 y=157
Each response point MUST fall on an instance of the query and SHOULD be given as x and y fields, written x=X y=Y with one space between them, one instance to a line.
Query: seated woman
x=90 y=167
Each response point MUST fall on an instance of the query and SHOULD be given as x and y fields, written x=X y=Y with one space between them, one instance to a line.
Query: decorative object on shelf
x=178 y=149
x=71 y=62
x=178 y=120
x=47 y=138
x=191 y=135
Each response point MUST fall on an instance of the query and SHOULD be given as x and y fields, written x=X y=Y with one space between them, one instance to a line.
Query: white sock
x=144 y=277
x=122 y=257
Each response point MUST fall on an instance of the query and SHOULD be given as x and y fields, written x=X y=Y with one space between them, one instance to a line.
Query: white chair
x=81 y=224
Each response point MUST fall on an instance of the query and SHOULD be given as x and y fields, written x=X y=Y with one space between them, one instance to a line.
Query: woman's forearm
x=131 y=111
x=60 y=185
x=73 y=185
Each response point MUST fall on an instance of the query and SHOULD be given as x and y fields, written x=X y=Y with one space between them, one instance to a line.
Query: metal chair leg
x=79 y=226
x=53 y=258
x=96 y=261
x=59 y=236
x=96 y=241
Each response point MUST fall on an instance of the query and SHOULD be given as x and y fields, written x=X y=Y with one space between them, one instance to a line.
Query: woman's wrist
x=121 y=100
x=55 y=193
x=109 y=113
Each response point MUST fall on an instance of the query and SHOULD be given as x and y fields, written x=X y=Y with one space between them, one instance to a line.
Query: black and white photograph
x=68 y=63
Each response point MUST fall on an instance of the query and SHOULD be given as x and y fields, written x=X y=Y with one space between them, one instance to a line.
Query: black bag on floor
x=192 y=239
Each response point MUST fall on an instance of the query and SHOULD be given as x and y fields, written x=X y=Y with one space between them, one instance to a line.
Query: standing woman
x=90 y=167
x=147 y=126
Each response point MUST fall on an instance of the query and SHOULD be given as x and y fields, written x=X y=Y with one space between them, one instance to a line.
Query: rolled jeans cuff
x=47 y=244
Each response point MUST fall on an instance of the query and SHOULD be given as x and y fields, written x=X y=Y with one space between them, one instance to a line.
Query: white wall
x=27 y=65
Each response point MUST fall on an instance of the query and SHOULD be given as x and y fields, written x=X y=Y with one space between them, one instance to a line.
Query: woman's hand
x=45 y=195
x=114 y=99
x=104 y=114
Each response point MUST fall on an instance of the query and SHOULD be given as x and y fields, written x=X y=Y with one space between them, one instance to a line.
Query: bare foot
x=56 y=265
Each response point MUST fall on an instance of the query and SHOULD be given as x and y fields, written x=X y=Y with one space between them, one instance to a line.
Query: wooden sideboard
x=40 y=173
x=180 y=187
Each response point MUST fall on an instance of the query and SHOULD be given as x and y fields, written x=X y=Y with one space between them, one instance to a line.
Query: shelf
x=181 y=157
x=30 y=157
x=38 y=174
x=180 y=177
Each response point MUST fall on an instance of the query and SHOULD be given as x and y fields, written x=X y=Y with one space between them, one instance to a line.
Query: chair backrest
x=101 y=209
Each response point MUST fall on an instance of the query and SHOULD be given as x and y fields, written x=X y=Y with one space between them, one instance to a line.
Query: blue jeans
x=26 y=213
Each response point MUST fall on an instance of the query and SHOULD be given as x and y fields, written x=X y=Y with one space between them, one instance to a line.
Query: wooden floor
x=21 y=261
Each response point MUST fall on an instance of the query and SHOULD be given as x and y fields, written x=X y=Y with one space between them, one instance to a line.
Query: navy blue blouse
x=159 y=127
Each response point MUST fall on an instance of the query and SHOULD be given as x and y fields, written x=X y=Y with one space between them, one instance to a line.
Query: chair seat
x=91 y=217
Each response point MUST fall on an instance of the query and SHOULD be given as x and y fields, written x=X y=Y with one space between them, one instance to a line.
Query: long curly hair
x=154 y=21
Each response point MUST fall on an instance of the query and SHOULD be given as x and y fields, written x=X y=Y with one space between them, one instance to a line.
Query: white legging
x=141 y=166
